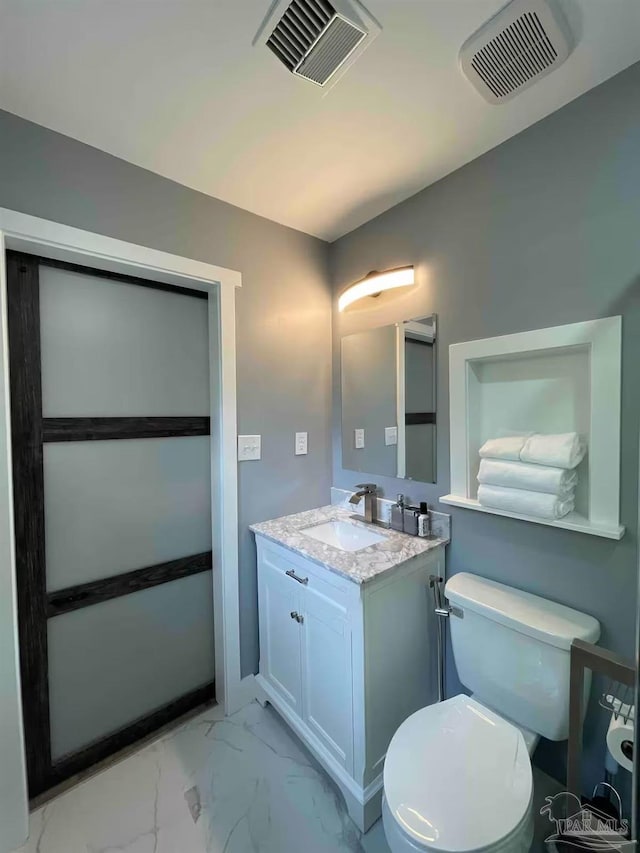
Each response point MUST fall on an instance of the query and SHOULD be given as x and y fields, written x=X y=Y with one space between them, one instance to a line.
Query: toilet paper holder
x=618 y=699
x=620 y=679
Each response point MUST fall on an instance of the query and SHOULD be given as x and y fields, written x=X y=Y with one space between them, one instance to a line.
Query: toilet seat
x=457 y=777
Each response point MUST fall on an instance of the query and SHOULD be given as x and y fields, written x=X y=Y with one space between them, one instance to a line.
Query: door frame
x=31 y=234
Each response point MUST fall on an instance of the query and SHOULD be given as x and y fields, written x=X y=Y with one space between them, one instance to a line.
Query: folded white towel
x=523 y=502
x=507 y=447
x=565 y=450
x=521 y=475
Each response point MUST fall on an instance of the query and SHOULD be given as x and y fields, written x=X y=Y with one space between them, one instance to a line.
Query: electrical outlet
x=390 y=435
x=249 y=447
x=358 y=438
x=301 y=443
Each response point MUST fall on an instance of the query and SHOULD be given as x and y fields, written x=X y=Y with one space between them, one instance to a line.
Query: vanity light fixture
x=374 y=283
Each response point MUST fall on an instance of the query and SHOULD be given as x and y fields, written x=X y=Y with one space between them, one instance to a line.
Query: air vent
x=314 y=39
x=523 y=42
x=334 y=46
x=299 y=29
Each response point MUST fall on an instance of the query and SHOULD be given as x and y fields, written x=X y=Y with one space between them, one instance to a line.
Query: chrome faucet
x=369 y=492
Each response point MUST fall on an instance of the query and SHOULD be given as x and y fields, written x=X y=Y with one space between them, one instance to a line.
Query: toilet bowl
x=457 y=777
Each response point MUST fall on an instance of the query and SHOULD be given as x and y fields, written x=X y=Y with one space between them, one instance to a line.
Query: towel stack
x=531 y=474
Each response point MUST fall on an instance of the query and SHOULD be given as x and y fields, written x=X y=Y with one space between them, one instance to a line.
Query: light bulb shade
x=375 y=283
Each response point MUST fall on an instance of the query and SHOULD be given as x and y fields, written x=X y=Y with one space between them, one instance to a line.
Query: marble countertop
x=357 y=566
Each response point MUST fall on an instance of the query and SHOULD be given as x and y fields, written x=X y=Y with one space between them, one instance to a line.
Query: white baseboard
x=241 y=694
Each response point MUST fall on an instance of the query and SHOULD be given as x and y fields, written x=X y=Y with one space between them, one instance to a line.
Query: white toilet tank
x=511 y=650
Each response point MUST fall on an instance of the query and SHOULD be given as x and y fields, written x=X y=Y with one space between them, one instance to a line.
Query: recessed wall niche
x=561 y=379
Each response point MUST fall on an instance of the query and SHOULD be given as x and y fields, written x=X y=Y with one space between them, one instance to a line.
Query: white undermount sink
x=342 y=535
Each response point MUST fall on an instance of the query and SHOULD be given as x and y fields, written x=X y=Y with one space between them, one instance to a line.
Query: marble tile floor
x=241 y=784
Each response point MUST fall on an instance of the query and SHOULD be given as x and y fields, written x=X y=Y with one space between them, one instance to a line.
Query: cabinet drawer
x=305 y=574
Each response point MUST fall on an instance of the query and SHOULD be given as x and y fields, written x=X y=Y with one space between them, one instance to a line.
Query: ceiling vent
x=523 y=42
x=316 y=39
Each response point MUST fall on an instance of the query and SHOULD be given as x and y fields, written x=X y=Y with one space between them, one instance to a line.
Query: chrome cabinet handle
x=293 y=575
x=295 y=615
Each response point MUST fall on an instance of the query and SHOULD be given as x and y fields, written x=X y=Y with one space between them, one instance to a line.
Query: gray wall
x=541 y=231
x=283 y=309
x=369 y=379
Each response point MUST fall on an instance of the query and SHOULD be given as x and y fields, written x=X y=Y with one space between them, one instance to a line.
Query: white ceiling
x=176 y=87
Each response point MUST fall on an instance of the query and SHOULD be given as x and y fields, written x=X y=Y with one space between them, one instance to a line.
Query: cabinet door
x=280 y=632
x=327 y=673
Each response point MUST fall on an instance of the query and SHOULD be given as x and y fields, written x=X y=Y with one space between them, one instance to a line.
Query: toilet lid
x=457 y=776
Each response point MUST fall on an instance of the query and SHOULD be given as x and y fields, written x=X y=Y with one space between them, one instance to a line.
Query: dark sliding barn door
x=112 y=496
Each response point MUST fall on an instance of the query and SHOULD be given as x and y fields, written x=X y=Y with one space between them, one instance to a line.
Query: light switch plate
x=301 y=443
x=249 y=447
x=390 y=435
x=358 y=438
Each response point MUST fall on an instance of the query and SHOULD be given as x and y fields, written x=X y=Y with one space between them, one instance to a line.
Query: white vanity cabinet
x=345 y=663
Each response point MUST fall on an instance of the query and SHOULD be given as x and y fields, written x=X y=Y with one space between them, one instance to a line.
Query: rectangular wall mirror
x=389 y=400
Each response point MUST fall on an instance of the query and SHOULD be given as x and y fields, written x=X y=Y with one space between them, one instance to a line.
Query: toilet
x=457 y=774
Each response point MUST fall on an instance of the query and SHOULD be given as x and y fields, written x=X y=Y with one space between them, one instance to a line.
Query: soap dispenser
x=424 y=520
